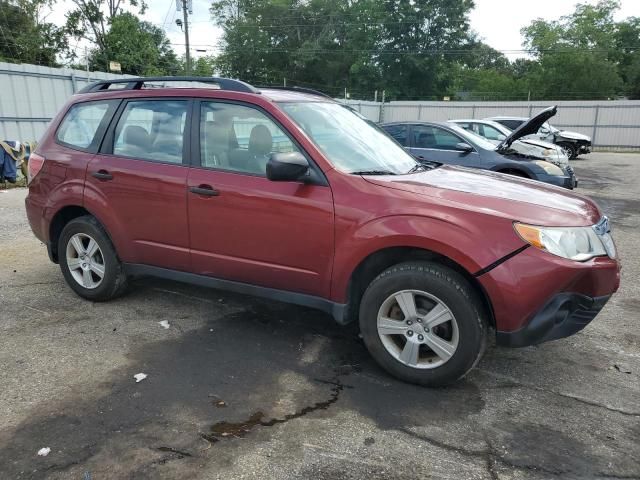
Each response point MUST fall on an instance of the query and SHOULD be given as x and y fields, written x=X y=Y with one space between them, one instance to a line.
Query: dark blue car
x=450 y=144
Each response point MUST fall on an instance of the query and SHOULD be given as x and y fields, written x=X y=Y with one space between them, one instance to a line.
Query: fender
x=456 y=241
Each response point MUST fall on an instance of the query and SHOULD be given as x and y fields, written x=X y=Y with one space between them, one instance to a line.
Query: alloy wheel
x=417 y=329
x=85 y=260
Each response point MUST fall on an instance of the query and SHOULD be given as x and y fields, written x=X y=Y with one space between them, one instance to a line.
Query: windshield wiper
x=373 y=172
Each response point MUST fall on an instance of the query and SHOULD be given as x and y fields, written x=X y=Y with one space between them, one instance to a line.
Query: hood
x=514 y=198
x=573 y=135
x=540 y=143
x=528 y=128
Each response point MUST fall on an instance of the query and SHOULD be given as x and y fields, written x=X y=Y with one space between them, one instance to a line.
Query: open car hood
x=529 y=127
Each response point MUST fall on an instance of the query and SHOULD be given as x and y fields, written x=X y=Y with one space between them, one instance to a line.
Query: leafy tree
x=576 y=54
x=140 y=47
x=627 y=47
x=91 y=19
x=25 y=37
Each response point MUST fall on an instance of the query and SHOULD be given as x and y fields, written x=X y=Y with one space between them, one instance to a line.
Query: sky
x=498 y=22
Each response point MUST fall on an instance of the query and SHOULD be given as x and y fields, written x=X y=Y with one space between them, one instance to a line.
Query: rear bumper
x=562 y=316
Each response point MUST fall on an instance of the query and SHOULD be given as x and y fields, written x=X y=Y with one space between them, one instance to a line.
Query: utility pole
x=185 y=13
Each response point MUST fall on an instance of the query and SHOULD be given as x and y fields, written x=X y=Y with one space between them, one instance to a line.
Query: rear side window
x=511 y=124
x=151 y=130
x=82 y=122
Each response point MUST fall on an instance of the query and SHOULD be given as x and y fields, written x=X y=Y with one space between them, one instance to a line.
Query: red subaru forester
x=289 y=195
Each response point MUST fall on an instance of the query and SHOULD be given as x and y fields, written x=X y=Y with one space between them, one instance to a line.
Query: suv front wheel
x=423 y=323
x=88 y=260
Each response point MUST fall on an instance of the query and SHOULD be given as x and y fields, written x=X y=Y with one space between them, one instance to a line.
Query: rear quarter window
x=83 y=122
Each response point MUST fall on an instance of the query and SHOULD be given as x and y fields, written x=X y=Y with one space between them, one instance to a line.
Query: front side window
x=425 y=136
x=399 y=133
x=151 y=130
x=239 y=138
x=80 y=124
x=350 y=142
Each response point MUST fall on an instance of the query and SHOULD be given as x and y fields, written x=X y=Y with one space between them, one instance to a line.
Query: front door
x=137 y=183
x=244 y=227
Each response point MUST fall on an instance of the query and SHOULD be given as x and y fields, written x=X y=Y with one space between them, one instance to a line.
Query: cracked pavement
x=300 y=396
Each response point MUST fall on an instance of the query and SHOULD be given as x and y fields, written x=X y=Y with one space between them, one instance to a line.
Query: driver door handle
x=205 y=190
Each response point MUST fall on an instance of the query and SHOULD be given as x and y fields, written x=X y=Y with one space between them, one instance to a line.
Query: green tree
x=576 y=54
x=140 y=47
x=25 y=37
x=627 y=47
x=91 y=19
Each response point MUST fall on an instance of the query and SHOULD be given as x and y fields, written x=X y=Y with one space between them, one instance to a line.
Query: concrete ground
x=245 y=388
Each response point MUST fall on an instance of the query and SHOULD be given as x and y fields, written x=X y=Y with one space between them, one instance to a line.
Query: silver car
x=496 y=132
x=573 y=143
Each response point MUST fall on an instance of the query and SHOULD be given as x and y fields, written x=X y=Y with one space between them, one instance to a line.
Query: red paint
x=310 y=239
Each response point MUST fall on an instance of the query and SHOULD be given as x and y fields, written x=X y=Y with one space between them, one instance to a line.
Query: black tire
x=458 y=296
x=569 y=149
x=114 y=281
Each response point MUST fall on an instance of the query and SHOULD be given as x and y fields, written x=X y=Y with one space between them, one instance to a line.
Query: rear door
x=244 y=227
x=430 y=142
x=137 y=182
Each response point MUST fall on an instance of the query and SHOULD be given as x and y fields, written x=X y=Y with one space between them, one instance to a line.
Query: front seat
x=260 y=148
x=426 y=140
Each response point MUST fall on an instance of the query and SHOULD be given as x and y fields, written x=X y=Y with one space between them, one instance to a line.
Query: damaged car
x=448 y=143
x=496 y=133
x=573 y=143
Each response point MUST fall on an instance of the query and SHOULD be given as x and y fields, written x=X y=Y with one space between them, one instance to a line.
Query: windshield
x=351 y=143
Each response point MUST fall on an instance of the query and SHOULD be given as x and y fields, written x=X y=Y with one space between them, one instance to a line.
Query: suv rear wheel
x=88 y=260
x=423 y=323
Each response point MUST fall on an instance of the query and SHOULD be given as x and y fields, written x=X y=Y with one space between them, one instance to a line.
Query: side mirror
x=464 y=147
x=544 y=130
x=287 y=167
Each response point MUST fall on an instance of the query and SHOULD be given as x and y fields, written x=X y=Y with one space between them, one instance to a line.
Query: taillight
x=34 y=166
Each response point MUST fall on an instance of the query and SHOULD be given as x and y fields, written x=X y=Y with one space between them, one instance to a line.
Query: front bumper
x=584 y=148
x=533 y=288
x=568 y=180
x=562 y=316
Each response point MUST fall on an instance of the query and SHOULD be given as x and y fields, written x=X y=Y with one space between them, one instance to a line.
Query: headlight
x=574 y=243
x=550 y=168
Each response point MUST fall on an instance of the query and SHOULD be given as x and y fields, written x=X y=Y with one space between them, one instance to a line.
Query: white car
x=496 y=133
x=573 y=143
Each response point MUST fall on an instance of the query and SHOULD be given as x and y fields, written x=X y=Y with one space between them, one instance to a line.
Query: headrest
x=260 y=140
x=136 y=135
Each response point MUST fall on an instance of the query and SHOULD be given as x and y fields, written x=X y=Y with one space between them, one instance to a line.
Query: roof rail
x=301 y=90
x=136 y=83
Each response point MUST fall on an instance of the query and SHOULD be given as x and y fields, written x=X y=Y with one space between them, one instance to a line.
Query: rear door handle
x=102 y=175
x=206 y=190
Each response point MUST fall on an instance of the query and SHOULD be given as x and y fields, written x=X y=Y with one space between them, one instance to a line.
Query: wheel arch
x=377 y=262
x=61 y=218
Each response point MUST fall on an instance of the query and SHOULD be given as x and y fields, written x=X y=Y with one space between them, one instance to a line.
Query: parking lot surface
x=244 y=388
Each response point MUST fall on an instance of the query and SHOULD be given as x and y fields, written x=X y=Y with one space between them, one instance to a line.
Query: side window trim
x=100 y=132
x=318 y=175
x=106 y=146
